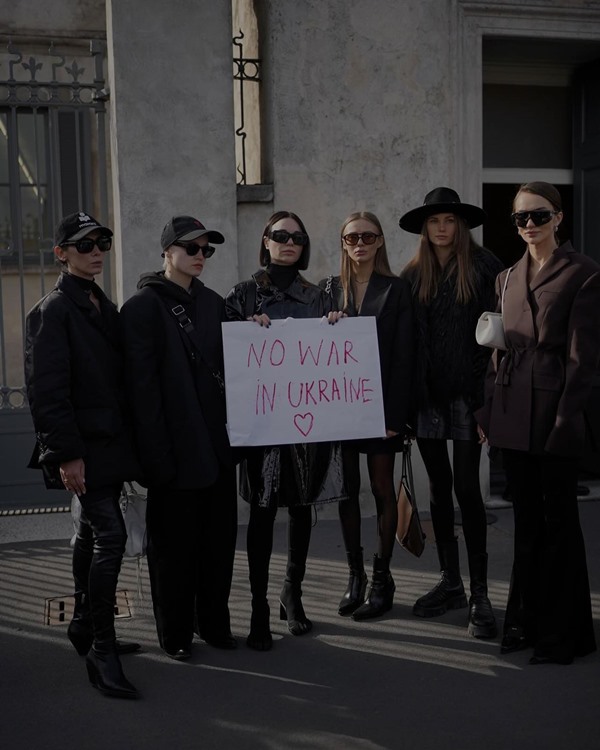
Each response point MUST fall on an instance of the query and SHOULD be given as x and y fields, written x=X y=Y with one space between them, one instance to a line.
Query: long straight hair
x=382 y=263
x=429 y=273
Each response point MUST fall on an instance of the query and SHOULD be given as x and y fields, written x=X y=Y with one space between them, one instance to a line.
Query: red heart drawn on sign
x=304 y=422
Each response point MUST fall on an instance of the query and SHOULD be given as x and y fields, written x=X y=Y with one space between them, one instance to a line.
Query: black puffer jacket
x=450 y=363
x=177 y=402
x=74 y=376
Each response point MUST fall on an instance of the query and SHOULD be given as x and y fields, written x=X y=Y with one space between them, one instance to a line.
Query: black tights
x=381 y=476
x=465 y=467
x=259 y=542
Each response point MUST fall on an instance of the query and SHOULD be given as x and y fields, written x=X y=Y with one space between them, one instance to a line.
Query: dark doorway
x=499 y=235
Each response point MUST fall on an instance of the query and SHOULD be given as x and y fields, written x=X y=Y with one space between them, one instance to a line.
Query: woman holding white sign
x=292 y=476
x=452 y=280
x=367 y=287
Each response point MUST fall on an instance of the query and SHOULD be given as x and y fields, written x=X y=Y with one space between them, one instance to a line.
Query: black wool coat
x=75 y=387
x=450 y=362
x=177 y=401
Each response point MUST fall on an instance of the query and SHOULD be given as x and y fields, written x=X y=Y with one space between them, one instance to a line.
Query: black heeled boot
x=290 y=601
x=260 y=637
x=81 y=635
x=482 y=623
x=357 y=584
x=105 y=671
x=80 y=630
x=449 y=592
x=380 y=596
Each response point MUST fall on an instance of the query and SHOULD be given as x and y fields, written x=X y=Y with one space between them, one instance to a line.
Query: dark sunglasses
x=191 y=248
x=368 y=238
x=543 y=216
x=283 y=237
x=86 y=245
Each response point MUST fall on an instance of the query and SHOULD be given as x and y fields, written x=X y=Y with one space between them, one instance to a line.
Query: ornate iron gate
x=52 y=162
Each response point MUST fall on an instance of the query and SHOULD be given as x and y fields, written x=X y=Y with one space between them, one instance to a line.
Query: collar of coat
x=376 y=295
x=296 y=290
x=560 y=258
x=77 y=294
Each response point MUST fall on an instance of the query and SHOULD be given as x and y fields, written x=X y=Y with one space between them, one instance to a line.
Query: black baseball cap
x=76 y=226
x=185 y=228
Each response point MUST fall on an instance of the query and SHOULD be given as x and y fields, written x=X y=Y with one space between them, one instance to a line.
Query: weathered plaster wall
x=47 y=17
x=172 y=139
x=361 y=99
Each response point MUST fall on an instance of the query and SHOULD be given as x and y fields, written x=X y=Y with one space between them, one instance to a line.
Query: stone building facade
x=360 y=105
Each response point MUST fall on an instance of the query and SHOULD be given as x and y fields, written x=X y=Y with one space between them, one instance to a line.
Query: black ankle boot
x=260 y=638
x=449 y=592
x=81 y=635
x=482 y=623
x=357 y=584
x=290 y=601
x=380 y=596
x=105 y=671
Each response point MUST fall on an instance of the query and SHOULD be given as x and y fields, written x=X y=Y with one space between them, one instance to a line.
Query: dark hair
x=264 y=256
x=543 y=189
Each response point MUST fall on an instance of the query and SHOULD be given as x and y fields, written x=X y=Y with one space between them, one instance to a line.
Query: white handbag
x=133 y=507
x=490 y=327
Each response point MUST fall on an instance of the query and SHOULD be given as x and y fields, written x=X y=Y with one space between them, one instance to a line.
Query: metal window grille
x=52 y=162
x=247 y=72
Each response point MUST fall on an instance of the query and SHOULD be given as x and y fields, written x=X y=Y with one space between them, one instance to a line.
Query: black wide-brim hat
x=442 y=200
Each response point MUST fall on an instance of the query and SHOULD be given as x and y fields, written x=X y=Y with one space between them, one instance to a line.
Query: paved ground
x=395 y=683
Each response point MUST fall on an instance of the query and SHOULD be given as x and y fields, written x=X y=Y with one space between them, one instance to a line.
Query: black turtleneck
x=86 y=284
x=282 y=276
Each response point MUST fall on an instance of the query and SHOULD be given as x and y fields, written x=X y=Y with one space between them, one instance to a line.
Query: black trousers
x=97 y=555
x=549 y=595
x=191 y=549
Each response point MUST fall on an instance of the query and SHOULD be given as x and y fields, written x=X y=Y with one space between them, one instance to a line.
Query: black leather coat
x=388 y=299
x=286 y=475
x=258 y=295
x=177 y=402
x=74 y=377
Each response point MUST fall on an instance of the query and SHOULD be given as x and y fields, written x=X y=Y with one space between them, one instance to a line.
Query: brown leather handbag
x=409 y=532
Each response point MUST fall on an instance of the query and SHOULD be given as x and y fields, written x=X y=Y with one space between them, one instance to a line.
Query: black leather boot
x=449 y=592
x=482 y=623
x=260 y=637
x=105 y=671
x=81 y=635
x=357 y=584
x=380 y=596
x=290 y=601
x=80 y=630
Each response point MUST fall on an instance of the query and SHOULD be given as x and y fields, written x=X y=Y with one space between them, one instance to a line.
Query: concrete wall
x=52 y=18
x=172 y=139
x=360 y=105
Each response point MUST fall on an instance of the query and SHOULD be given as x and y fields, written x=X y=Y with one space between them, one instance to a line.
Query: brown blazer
x=536 y=391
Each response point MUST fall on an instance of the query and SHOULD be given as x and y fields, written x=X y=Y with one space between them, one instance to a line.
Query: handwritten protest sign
x=302 y=381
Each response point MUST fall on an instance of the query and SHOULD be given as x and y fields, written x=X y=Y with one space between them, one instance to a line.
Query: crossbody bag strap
x=504 y=290
x=188 y=328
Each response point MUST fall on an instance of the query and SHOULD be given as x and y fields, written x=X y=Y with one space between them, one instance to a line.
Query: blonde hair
x=428 y=273
x=382 y=263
